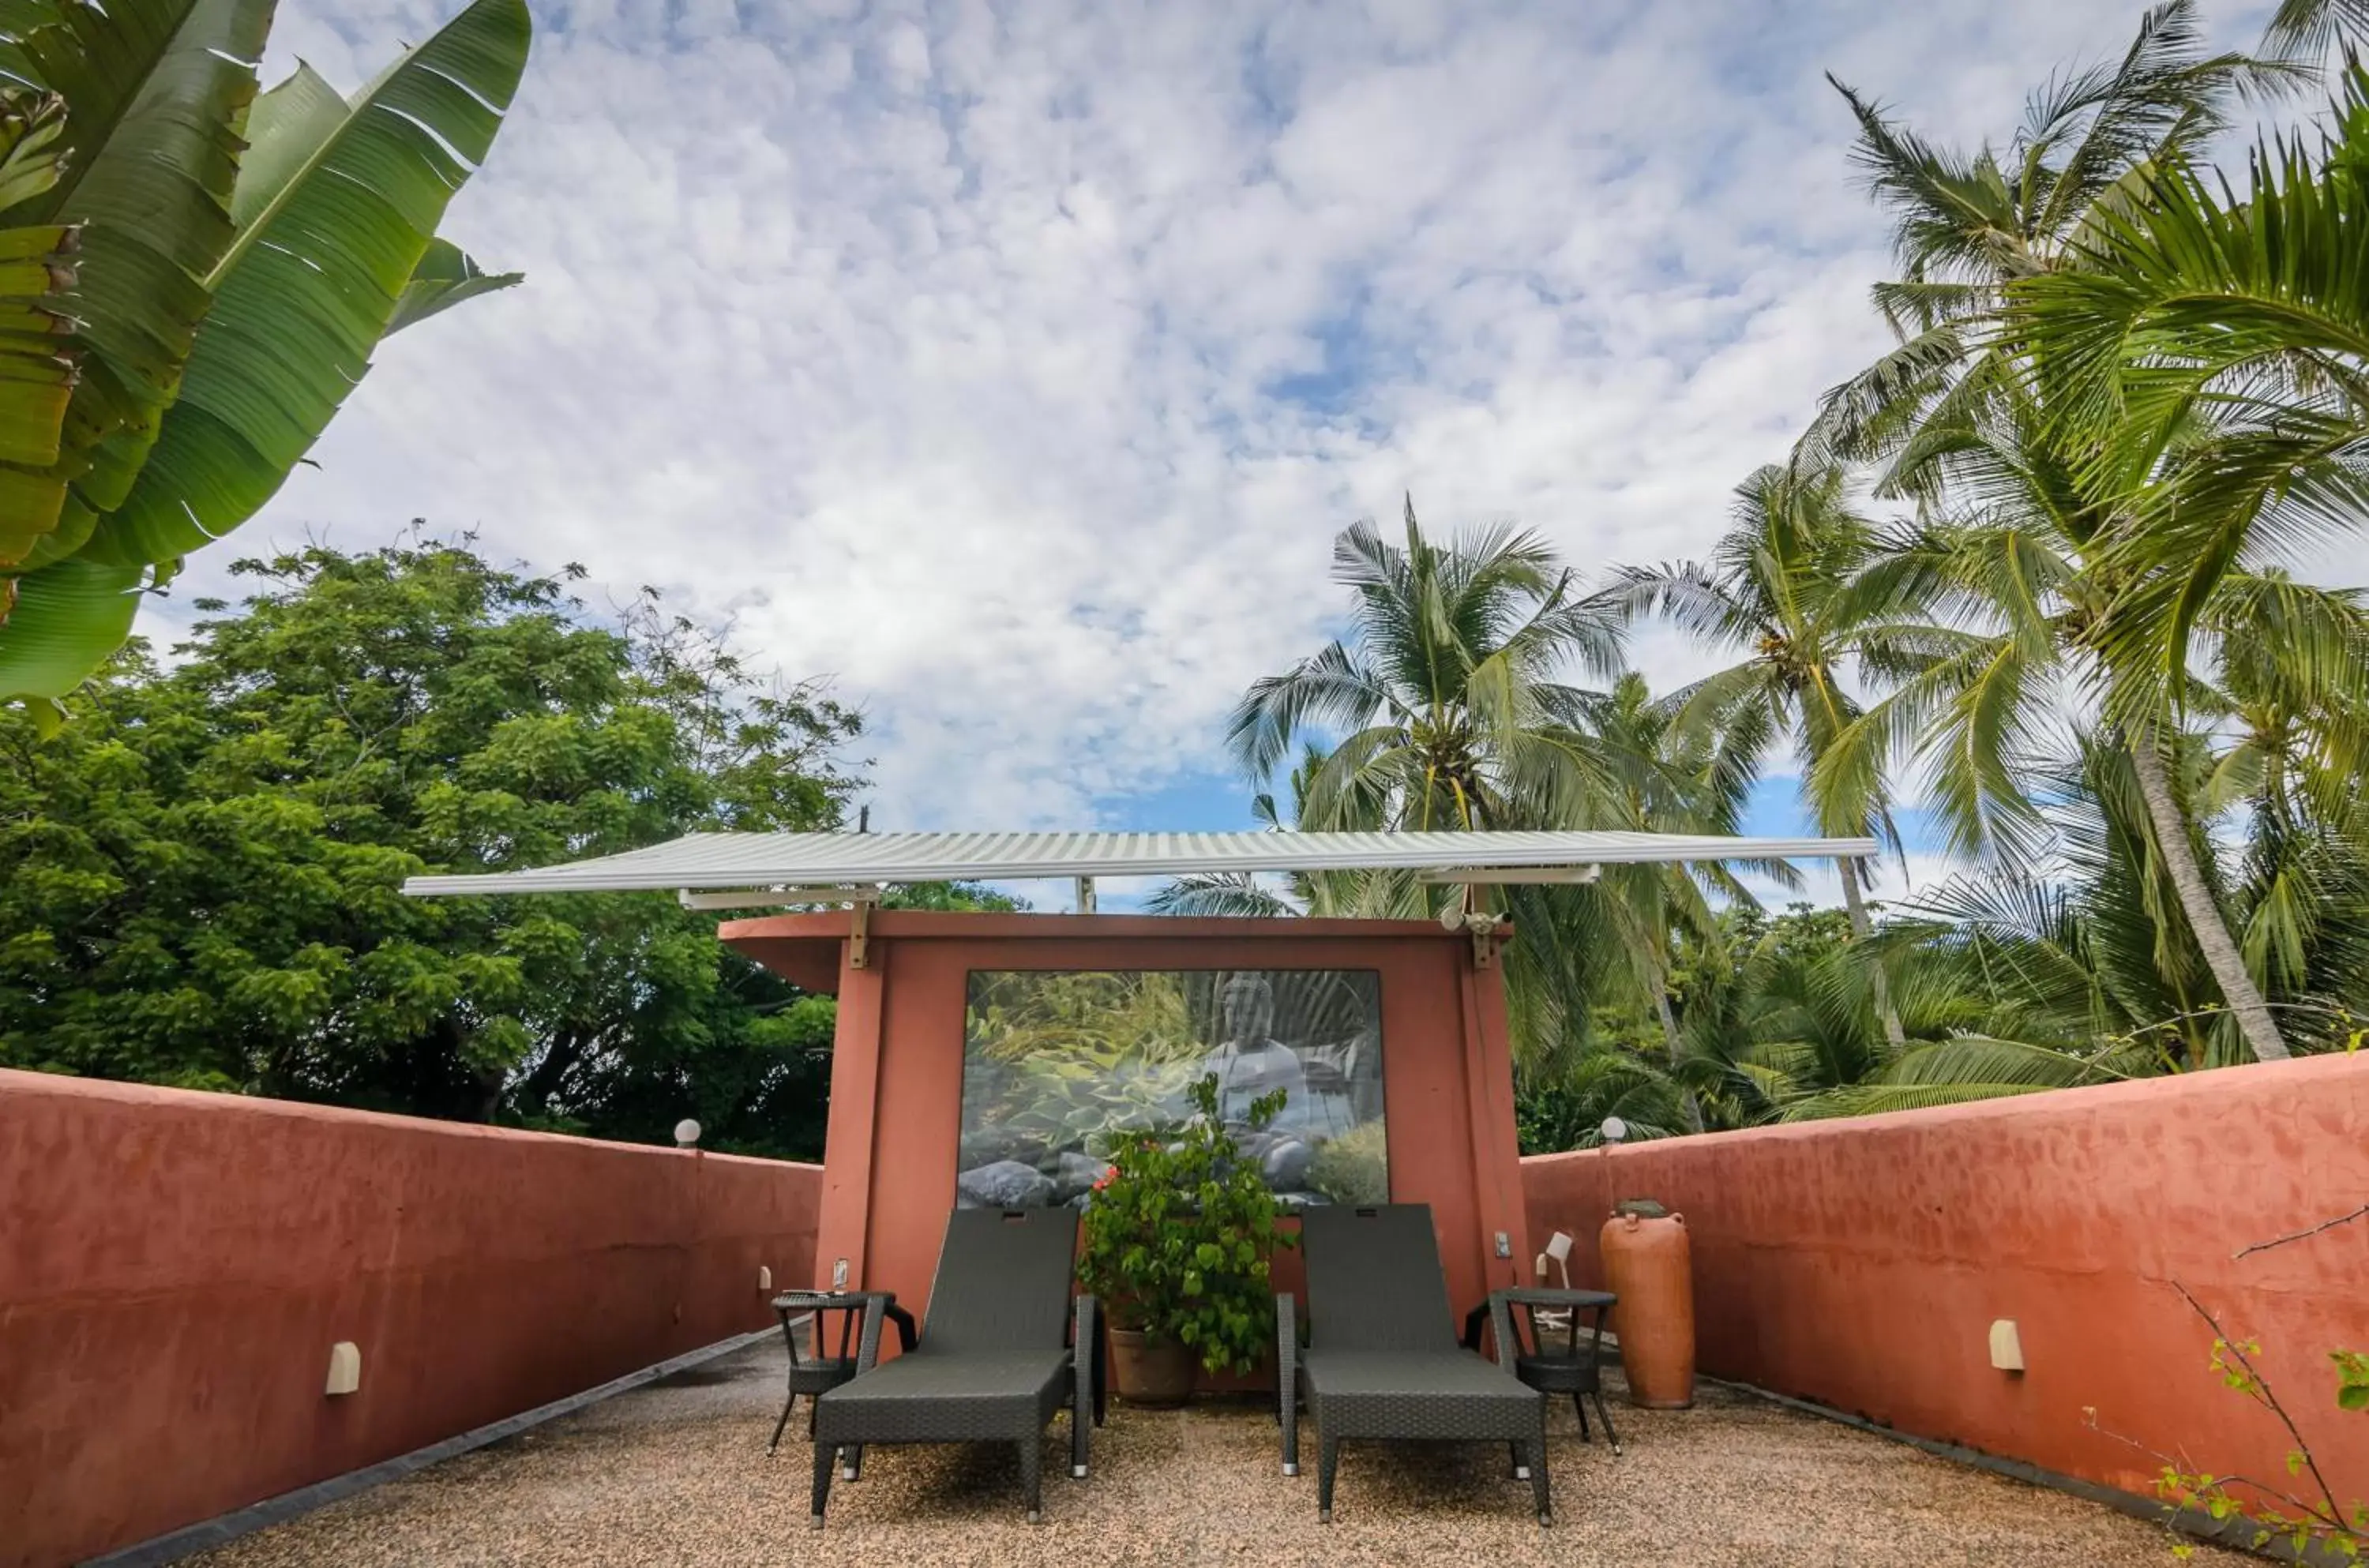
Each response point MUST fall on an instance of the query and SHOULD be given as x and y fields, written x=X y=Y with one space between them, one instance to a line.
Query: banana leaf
x=67 y=620
x=444 y=277
x=156 y=92
x=37 y=373
x=340 y=201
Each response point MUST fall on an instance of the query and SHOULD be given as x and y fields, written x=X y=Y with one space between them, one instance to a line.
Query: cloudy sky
x=1014 y=365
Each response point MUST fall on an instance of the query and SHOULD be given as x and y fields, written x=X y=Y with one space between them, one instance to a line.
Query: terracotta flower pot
x=1159 y=1376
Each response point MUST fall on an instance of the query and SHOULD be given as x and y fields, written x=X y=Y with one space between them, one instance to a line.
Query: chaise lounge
x=1001 y=1349
x=1383 y=1362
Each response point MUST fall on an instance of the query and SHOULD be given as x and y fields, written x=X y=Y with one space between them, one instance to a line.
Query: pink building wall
x=1860 y=1264
x=175 y=1267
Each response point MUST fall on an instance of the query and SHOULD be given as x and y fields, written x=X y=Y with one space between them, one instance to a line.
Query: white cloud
x=951 y=348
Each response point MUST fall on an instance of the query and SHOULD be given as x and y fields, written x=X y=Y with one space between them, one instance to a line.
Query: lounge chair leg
x=853 y=1469
x=1288 y=1411
x=1521 y=1470
x=1328 y=1460
x=1077 y=1445
x=778 y=1426
x=825 y=1458
x=1032 y=1476
x=1579 y=1404
x=1540 y=1491
x=1606 y=1416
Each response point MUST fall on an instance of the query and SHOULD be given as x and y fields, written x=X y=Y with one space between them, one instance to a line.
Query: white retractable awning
x=713 y=861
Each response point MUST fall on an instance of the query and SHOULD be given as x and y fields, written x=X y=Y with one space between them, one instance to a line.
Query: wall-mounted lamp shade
x=345 y=1368
x=2007 y=1346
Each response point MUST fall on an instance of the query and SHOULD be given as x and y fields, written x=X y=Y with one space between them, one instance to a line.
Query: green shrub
x=1179 y=1235
x=1352 y=1168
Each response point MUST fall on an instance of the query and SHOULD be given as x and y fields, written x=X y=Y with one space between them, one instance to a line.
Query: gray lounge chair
x=1002 y=1347
x=1383 y=1362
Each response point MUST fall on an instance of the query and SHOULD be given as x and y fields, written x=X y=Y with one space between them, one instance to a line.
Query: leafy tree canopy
x=199 y=878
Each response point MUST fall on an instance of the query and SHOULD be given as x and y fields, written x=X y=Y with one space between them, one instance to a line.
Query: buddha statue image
x=1251 y=1062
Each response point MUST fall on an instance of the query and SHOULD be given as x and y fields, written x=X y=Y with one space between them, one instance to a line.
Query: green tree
x=198 y=879
x=237 y=258
x=1448 y=694
x=2017 y=540
x=1784 y=585
x=1447 y=708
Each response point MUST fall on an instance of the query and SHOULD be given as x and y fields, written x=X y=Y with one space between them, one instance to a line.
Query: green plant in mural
x=1139 y=1015
x=1179 y=1235
x=1077 y=1061
x=1354 y=1168
x=1069 y=1103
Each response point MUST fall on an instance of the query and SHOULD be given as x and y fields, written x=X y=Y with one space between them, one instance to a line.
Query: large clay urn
x=1648 y=1265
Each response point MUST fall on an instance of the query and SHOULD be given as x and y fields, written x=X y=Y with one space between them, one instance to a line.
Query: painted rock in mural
x=1007 y=1184
x=1286 y=1165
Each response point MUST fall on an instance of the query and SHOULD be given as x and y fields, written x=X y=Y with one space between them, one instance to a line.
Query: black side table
x=1568 y=1369
x=817 y=1374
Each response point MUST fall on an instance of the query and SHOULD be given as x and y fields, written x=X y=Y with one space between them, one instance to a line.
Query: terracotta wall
x=896 y=1108
x=1860 y=1264
x=174 y=1268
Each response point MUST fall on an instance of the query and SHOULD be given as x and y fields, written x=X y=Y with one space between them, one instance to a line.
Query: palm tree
x=2211 y=357
x=1446 y=707
x=1240 y=894
x=1680 y=778
x=1446 y=696
x=2306 y=29
x=1783 y=587
x=1964 y=226
x=2019 y=519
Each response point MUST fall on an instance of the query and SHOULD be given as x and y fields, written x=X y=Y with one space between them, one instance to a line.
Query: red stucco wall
x=174 y=1268
x=896 y=1108
x=1860 y=1264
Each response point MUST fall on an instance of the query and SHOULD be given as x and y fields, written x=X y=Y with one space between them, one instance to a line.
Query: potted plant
x=1177 y=1238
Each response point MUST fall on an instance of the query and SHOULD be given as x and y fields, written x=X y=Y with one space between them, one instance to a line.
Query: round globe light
x=686 y=1132
x=1613 y=1130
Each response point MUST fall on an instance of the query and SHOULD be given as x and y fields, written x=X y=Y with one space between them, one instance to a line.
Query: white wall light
x=345 y=1368
x=2007 y=1346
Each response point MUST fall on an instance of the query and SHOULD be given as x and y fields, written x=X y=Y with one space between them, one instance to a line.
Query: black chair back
x=1004 y=1281
x=1374 y=1279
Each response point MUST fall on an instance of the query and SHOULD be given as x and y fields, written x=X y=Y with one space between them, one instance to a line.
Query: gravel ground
x=676 y=1473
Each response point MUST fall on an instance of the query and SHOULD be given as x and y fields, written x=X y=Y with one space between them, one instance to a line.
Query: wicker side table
x=816 y=1374
x=1572 y=1367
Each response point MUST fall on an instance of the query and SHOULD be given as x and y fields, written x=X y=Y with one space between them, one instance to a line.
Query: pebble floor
x=676 y=1473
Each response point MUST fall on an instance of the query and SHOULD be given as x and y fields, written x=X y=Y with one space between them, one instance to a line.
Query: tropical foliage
x=199 y=875
x=192 y=279
x=2040 y=582
x=1180 y=1235
x=2035 y=571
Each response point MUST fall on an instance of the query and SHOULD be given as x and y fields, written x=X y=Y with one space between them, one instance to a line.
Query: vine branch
x=2360 y=1213
x=2260 y=1389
